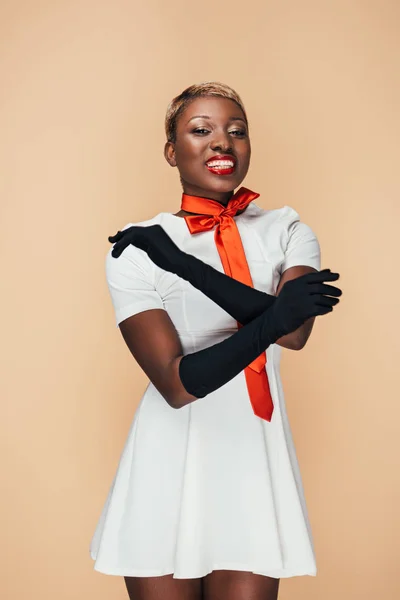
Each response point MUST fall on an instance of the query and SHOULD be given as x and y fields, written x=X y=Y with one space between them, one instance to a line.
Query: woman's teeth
x=221 y=164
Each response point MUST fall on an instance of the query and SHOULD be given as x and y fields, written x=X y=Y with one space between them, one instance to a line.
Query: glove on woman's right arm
x=239 y=300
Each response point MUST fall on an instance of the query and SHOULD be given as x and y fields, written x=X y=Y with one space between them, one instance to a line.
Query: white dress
x=208 y=486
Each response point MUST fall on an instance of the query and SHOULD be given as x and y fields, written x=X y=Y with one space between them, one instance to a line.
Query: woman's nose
x=221 y=143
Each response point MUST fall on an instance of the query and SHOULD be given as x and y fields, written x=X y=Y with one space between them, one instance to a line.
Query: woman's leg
x=239 y=585
x=163 y=588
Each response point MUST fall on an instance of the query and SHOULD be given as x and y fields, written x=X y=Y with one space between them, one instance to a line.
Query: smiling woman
x=220 y=118
x=207 y=500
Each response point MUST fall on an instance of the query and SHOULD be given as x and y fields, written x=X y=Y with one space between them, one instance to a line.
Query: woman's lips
x=221 y=165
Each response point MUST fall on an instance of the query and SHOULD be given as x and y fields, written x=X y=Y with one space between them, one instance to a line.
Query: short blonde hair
x=179 y=103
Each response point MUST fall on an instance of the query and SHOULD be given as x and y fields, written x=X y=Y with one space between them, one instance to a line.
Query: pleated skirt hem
x=276 y=573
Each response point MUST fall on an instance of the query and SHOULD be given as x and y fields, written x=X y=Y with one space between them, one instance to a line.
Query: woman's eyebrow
x=208 y=117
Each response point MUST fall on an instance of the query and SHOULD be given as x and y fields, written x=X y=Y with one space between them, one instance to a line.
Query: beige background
x=84 y=89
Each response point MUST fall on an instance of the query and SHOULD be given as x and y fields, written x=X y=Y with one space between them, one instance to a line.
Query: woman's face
x=210 y=127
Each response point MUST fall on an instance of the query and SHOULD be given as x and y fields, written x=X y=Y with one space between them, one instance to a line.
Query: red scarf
x=233 y=258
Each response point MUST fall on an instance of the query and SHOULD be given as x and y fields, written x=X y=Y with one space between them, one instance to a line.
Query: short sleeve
x=301 y=243
x=131 y=283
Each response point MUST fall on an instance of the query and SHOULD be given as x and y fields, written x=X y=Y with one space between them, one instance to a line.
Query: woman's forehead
x=212 y=107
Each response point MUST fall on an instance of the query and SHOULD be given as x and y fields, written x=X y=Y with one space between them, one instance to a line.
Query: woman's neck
x=184 y=213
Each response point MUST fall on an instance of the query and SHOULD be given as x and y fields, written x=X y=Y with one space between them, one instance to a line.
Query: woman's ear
x=169 y=153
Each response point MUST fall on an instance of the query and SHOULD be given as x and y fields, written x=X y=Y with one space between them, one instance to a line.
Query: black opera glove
x=206 y=370
x=239 y=300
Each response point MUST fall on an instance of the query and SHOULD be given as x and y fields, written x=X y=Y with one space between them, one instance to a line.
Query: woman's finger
x=324 y=288
x=116 y=237
x=327 y=301
x=319 y=276
x=119 y=248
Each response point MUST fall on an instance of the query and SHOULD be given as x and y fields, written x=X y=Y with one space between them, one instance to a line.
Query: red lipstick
x=222 y=169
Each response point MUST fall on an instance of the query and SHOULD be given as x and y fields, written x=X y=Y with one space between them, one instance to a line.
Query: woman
x=207 y=501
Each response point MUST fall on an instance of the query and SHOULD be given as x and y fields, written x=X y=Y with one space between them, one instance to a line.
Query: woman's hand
x=305 y=297
x=154 y=241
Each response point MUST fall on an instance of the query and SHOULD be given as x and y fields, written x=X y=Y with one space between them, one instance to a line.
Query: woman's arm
x=297 y=339
x=155 y=345
x=153 y=341
x=239 y=300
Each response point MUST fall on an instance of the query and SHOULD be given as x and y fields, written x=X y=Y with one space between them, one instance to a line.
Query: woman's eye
x=236 y=131
x=239 y=132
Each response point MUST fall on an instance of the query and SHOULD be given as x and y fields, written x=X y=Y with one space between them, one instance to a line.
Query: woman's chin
x=222 y=183
x=214 y=183
x=226 y=186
